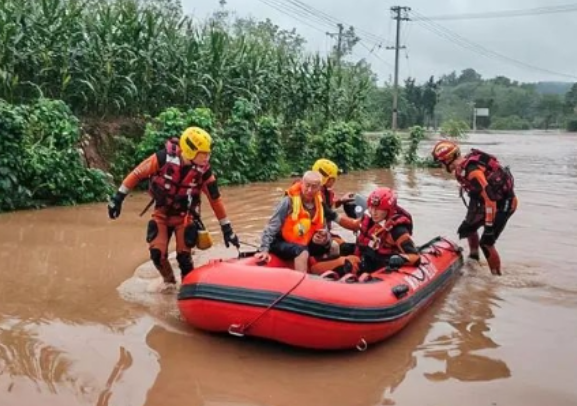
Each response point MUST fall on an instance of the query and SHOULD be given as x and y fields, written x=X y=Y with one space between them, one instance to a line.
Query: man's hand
x=346 y=198
x=262 y=256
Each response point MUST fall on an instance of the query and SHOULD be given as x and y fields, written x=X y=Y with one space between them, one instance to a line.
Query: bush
x=239 y=132
x=363 y=149
x=13 y=193
x=336 y=143
x=268 y=150
x=571 y=124
x=39 y=162
x=416 y=135
x=454 y=129
x=297 y=150
x=387 y=151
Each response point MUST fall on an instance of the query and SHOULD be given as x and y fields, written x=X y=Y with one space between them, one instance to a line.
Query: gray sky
x=546 y=41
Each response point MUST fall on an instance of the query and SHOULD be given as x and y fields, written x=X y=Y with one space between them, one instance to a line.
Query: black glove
x=396 y=261
x=115 y=205
x=229 y=236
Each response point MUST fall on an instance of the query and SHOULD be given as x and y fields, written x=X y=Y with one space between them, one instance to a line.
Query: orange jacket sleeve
x=349 y=223
x=477 y=177
x=404 y=242
x=142 y=172
x=210 y=189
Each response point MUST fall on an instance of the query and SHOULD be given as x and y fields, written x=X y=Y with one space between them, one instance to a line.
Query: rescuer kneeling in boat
x=178 y=173
x=492 y=199
x=296 y=219
x=384 y=238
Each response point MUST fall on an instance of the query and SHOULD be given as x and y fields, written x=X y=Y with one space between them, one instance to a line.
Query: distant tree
x=449 y=80
x=501 y=80
x=469 y=75
x=270 y=33
x=414 y=96
x=550 y=108
x=429 y=99
x=571 y=99
x=349 y=39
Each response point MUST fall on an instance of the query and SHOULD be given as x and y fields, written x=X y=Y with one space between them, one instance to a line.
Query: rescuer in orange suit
x=178 y=174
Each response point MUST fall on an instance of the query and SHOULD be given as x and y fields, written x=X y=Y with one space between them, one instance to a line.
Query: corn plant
x=128 y=57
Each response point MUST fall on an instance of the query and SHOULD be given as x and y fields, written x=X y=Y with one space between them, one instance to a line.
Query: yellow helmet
x=194 y=140
x=328 y=169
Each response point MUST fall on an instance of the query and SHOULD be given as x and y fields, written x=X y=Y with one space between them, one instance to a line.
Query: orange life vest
x=298 y=227
x=175 y=186
x=500 y=180
x=377 y=237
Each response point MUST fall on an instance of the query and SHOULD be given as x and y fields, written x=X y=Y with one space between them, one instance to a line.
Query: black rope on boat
x=240 y=330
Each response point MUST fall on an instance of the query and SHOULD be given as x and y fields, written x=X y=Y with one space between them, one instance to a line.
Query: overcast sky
x=546 y=41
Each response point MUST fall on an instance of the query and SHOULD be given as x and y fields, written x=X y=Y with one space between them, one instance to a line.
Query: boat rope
x=436 y=251
x=362 y=345
x=423 y=274
x=240 y=330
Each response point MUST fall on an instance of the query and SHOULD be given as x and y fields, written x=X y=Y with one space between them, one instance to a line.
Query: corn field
x=107 y=58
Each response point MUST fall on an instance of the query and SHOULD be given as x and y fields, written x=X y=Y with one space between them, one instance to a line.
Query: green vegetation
x=388 y=150
x=40 y=163
x=455 y=128
x=126 y=57
x=271 y=108
x=416 y=135
x=512 y=105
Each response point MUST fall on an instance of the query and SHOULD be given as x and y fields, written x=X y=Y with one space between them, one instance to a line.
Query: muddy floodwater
x=78 y=325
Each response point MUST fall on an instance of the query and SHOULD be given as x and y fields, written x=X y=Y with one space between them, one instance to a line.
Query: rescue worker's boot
x=493 y=259
x=166 y=271
x=185 y=263
x=473 y=241
x=162 y=265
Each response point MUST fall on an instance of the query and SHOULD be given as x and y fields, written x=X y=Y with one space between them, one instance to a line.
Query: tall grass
x=122 y=58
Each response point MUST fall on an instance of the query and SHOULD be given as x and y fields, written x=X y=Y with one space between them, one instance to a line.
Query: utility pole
x=474 y=107
x=400 y=14
x=339 y=36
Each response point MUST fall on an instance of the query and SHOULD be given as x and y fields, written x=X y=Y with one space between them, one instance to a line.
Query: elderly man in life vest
x=492 y=199
x=178 y=174
x=300 y=215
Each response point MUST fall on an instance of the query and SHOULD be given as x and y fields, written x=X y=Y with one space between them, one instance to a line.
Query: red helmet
x=445 y=152
x=383 y=198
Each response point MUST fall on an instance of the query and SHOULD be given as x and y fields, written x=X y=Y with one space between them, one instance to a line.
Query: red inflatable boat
x=275 y=302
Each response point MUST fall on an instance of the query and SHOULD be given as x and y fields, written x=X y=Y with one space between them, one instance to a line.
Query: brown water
x=78 y=327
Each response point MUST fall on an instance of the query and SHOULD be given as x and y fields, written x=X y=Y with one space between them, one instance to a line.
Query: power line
x=455 y=38
x=291 y=13
x=505 y=13
x=377 y=56
x=303 y=10
x=314 y=18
